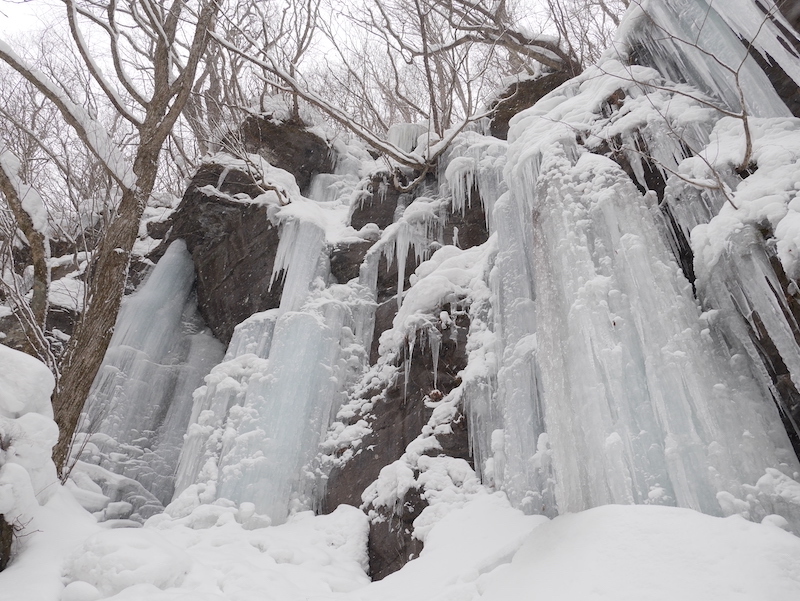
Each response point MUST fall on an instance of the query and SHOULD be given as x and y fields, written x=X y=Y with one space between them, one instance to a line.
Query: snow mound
x=650 y=552
x=27 y=435
x=114 y=560
x=25 y=385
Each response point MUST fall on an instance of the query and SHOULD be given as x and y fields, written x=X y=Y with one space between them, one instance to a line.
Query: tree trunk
x=33 y=323
x=87 y=347
x=6 y=538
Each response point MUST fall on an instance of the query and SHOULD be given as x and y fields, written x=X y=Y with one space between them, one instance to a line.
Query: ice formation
x=618 y=314
x=140 y=403
x=257 y=422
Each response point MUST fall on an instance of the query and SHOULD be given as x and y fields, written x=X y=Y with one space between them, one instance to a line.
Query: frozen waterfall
x=620 y=312
x=140 y=402
x=259 y=419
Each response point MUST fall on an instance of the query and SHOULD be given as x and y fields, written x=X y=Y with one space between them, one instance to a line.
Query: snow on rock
x=68 y=292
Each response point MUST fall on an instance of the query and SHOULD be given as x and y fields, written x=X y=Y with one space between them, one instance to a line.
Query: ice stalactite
x=693 y=42
x=297 y=260
x=475 y=162
x=406 y=135
x=140 y=402
x=416 y=229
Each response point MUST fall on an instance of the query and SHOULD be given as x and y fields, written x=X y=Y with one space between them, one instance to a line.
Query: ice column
x=140 y=402
x=281 y=420
x=639 y=405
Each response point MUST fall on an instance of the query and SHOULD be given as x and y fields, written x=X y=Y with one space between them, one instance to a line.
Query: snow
x=29 y=197
x=484 y=550
x=640 y=552
x=25 y=385
x=68 y=292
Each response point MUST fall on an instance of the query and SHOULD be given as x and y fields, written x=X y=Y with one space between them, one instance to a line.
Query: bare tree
x=146 y=70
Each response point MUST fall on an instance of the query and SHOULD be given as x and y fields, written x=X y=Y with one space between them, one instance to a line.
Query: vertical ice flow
x=159 y=353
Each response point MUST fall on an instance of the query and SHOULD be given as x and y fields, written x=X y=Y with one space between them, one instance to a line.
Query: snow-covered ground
x=481 y=549
x=485 y=550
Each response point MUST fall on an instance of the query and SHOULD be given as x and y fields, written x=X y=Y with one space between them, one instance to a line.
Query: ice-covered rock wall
x=601 y=309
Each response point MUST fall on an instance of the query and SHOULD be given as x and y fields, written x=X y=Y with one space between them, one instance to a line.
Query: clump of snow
x=68 y=292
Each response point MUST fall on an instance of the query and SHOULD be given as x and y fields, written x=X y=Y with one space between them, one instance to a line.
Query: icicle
x=687 y=41
x=475 y=162
x=402 y=242
x=435 y=343
x=412 y=340
x=404 y=135
x=298 y=256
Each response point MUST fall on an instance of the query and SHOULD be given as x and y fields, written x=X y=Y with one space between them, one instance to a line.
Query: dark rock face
x=232 y=243
x=377 y=204
x=287 y=145
x=6 y=540
x=471 y=225
x=399 y=413
x=519 y=96
x=346 y=259
x=391 y=544
x=233 y=246
x=384 y=316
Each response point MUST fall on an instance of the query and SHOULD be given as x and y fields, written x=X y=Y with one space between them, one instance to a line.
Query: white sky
x=17 y=16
